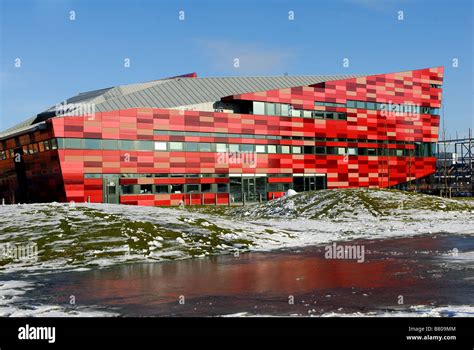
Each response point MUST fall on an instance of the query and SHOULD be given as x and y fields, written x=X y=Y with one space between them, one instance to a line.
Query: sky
x=61 y=53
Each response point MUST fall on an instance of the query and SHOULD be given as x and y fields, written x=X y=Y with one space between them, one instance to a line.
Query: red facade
x=383 y=141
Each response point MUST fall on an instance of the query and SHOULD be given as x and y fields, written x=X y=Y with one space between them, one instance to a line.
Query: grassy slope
x=88 y=234
x=343 y=203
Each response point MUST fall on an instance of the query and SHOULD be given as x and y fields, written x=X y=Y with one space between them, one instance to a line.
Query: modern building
x=215 y=140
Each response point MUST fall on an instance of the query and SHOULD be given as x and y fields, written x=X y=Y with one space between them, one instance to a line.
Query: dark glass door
x=298 y=184
x=235 y=189
x=310 y=183
x=111 y=189
x=321 y=182
x=249 y=189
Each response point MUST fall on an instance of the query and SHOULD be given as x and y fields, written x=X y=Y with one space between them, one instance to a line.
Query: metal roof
x=175 y=92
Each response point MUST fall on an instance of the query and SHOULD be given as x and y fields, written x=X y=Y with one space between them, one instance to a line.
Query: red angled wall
x=419 y=87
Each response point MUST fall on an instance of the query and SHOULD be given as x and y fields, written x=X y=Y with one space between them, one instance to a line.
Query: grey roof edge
x=33 y=127
x=127 y=92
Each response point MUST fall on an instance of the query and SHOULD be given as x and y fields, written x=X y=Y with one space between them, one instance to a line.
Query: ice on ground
x=412 y=311
x=14 y=304
x=95 y=235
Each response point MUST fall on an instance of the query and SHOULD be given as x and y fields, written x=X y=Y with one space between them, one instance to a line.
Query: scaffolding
x=454 y=169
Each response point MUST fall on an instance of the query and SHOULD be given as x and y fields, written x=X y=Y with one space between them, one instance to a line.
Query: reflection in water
x=262 y=282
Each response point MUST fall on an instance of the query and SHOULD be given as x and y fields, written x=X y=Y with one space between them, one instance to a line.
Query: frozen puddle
x=79 y=236
x=260 y=283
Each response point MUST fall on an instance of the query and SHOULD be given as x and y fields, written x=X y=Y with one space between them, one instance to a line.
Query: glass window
x=128 y=189
x=399 y=152
x=176 y=146
x=296 y=149
x=307 y=114
x=205 y=147
x=92 y=144
x=258 y=108
x=247 y=148
x=47 y=145
x=272 y=148
x=341 y=150
x=285 y=110
x=270 y=109
x=371 y=152
x=192 y=188
x=41 y=146
x=127 y=145
x=329 y=115
x=260 y=148
x=308 y=150
x=371 y=105
x=92 y=176
x=54 y=144
x=234 y=148
x=295 y=113
x=277 y=109
x=191 y=146
x=160 y=132
x=319 y=115
x=162 y=188
x=146 y=189
x=144 y=145
x=320 y=150
x=222 y=188
x=177 y=188
x=205 y=187
x=160 y=146
x=284 y=149
x=341 y=116
x=360 y=104
x=351 y=104
x=73 y=143
x=352 y=151
x=110 y=144
x=221 y=147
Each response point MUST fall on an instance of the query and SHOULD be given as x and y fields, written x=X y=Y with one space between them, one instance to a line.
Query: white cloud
x=253 y=57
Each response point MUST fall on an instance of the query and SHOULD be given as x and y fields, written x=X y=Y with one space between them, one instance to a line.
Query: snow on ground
x=14 y=304
x=412 y=311
x=82 y=236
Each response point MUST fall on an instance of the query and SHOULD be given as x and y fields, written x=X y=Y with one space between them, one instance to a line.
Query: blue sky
x=60 y=57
